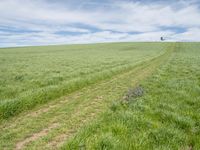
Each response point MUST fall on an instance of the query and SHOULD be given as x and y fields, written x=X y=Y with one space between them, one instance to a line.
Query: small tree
x=162 y=39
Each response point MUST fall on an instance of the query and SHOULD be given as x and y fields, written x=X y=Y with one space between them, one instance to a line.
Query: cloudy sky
x=44 y=22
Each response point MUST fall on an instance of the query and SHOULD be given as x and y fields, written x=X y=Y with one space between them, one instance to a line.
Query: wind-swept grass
x=48 y=126
x=32 y=76
x=158 y=112
x=167 y=116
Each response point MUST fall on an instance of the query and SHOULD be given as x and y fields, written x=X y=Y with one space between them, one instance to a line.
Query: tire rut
x=77 y=115
x=20 y=145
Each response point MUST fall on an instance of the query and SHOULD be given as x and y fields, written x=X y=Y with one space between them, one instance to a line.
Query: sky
x=46 y=22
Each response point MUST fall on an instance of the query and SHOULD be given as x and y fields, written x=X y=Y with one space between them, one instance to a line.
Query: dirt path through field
x=48 y=126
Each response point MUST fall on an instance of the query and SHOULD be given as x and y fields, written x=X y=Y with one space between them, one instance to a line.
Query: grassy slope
x=49 y=125
x=31 y=76
x=166 y=117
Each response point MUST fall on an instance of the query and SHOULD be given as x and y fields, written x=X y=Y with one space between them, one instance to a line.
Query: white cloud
x=192 y=34
x=114 y=21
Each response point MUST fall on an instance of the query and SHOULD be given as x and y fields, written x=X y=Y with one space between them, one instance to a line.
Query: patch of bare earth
x=35 y=136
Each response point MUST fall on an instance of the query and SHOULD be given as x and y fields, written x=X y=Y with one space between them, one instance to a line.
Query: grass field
x=71 y=97
x=34 y=75
x=166 y=117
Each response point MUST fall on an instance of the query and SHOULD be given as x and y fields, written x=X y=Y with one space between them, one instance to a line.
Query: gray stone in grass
x=133 y=93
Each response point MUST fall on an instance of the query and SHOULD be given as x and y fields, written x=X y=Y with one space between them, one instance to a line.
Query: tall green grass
x=165 y=117
x=32 y=76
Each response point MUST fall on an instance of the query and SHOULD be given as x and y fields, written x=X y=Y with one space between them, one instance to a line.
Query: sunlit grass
x=32 y=76
x=60 y=119
x=165 y=117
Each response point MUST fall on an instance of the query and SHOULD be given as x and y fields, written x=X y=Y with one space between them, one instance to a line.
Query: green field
x=72 y=97
x=34 y=75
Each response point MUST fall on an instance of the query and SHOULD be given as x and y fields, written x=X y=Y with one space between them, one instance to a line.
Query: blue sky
x=44 y=22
